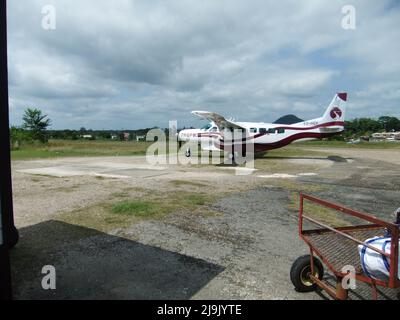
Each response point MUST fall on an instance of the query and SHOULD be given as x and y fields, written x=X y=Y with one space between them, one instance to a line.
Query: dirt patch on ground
x=390 y=155
x=238 y=243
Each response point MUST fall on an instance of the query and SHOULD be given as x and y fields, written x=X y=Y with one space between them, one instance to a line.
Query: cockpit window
x=214 y=129
x=207 y=126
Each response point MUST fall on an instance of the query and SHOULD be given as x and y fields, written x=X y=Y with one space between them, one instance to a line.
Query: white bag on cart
x=374 y=264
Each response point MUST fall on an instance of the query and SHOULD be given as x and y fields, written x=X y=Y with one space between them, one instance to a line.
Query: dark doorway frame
x=6 y=209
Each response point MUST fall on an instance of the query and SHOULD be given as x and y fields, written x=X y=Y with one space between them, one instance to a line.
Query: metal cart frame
x=336 y=247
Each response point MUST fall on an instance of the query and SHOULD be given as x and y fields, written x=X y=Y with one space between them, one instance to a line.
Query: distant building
x=86 y=136
x=140 y=138
x=386 y=136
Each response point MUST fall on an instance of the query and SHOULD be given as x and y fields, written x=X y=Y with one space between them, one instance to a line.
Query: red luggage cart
x=336 y=247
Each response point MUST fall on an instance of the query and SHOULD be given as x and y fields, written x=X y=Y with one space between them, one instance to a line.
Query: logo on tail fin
x=336 y=113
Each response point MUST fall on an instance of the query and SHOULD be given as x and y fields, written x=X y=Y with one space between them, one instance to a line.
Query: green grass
x=80 y=148
x=140 y=208
x=195 y=200
x=136 y=208
x=151 y=204
x=178 y=183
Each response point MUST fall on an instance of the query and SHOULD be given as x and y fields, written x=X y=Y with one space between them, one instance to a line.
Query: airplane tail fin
x=337 y=108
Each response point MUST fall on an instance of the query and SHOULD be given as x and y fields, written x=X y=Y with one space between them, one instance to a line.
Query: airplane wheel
x=188 y=153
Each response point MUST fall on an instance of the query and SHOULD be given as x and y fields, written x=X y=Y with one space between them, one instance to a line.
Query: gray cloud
x=130 y=64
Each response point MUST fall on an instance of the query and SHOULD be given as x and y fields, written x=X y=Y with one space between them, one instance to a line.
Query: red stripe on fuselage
x=259 y=147
x=284 y=142
x=208 y=135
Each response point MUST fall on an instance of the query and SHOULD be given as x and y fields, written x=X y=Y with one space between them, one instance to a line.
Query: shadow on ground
x=94 y=265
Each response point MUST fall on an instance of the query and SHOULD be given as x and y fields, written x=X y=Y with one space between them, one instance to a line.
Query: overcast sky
x=133 y=64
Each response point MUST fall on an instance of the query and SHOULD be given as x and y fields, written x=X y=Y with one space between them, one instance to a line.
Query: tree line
x=35 y=130
x=367 y=126
x=83 y=133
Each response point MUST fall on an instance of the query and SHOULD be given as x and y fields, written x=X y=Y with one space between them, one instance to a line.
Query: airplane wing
x=219 y=120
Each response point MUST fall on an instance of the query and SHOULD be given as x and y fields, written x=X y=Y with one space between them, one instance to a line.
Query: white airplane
x=264 y=136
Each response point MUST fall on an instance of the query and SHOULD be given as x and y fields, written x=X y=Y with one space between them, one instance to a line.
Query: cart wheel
x=300 y=273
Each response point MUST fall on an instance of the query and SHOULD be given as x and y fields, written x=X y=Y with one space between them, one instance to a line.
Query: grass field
x=80 y=148
x=84 y=148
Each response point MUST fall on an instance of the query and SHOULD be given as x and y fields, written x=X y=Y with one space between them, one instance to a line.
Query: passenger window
x=253 y=130
x=271 y=131
x=281 y=130
x=263 y=130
